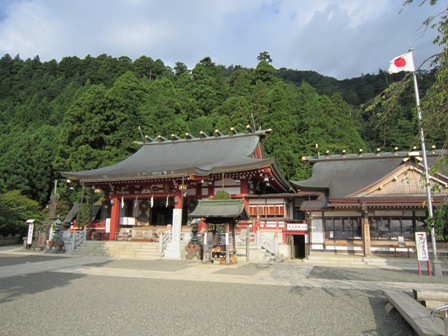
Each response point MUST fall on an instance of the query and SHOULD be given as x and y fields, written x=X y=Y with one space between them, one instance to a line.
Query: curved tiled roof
x=342 y=176
x=230 y=208
x=167 y=159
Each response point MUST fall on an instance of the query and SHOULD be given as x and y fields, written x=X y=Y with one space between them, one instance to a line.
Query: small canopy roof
x=74 y=211
x=225 y=209
x=72 y=214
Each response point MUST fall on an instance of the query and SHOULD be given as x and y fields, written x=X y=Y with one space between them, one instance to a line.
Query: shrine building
x=369 y=203
x=160 y=184
x=360 y=203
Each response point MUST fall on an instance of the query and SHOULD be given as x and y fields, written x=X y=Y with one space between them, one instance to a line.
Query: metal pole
x=436 y=262
x=445 y=321
x=441 y=311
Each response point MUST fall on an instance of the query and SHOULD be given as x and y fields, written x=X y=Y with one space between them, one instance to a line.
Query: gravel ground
x=14 y=259
x=56 y=303
x=70 y=304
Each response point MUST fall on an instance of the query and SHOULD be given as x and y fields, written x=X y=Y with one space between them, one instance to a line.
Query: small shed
x=221 y=216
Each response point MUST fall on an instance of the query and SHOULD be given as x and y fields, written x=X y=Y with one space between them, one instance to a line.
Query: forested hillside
x=84 y=113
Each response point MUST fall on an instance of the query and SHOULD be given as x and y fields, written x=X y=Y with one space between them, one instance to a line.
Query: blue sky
x=338 y=38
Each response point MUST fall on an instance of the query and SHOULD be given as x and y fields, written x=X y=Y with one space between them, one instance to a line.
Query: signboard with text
x=422 y=246
x=297 y=227
x=29 y=238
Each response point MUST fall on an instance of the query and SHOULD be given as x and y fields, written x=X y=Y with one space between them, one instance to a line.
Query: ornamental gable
x=405 y=181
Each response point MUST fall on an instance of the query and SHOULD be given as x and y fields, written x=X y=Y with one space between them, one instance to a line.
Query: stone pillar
x=173 y=248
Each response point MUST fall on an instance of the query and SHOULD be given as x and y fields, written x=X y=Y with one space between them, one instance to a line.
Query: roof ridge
x=189 y=138
x=370 y=156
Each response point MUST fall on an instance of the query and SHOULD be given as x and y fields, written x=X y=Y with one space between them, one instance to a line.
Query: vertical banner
x=29 y=239
x=107 y=227
x=422 y=246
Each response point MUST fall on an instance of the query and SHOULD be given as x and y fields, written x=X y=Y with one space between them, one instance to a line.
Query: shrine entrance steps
x=150 y=250
x=119 y=249
x=256 y=254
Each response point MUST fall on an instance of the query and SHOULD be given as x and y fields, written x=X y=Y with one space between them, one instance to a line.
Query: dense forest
x=85 y=113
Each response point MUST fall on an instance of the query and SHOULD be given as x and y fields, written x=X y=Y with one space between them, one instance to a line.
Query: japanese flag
x=403 y=62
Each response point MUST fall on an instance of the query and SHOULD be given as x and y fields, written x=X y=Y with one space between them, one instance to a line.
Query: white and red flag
x=403 y=62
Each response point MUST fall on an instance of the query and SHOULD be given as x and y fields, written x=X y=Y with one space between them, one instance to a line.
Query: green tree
x=41 y=175
x=259 y=104
x=240 y=83
x=143 y=67
x=161 y=112
x=264 y=56
x=265 y=73
x=98 y=130
x=436 y=111
x=222 y=195
x=234 y=112
x=201 y=124
x=284 y=138
x=179 y=69
x=15 y=210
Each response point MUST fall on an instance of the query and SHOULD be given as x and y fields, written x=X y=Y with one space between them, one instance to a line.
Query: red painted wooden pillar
x=114 y=218
x=179 y=199
x=244 y=189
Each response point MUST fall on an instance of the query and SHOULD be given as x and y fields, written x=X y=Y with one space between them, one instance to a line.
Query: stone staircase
x=119 y=249
x=257 y=254
x=150 y=250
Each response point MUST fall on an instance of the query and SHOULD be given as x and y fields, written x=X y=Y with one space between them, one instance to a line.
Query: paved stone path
x=16 y=262
x=44 y=294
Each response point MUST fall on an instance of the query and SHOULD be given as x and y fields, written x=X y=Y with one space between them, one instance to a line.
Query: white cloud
x=340 y=48
x=337 y=38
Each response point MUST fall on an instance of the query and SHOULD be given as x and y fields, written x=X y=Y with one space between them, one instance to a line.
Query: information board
x=422 y=246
